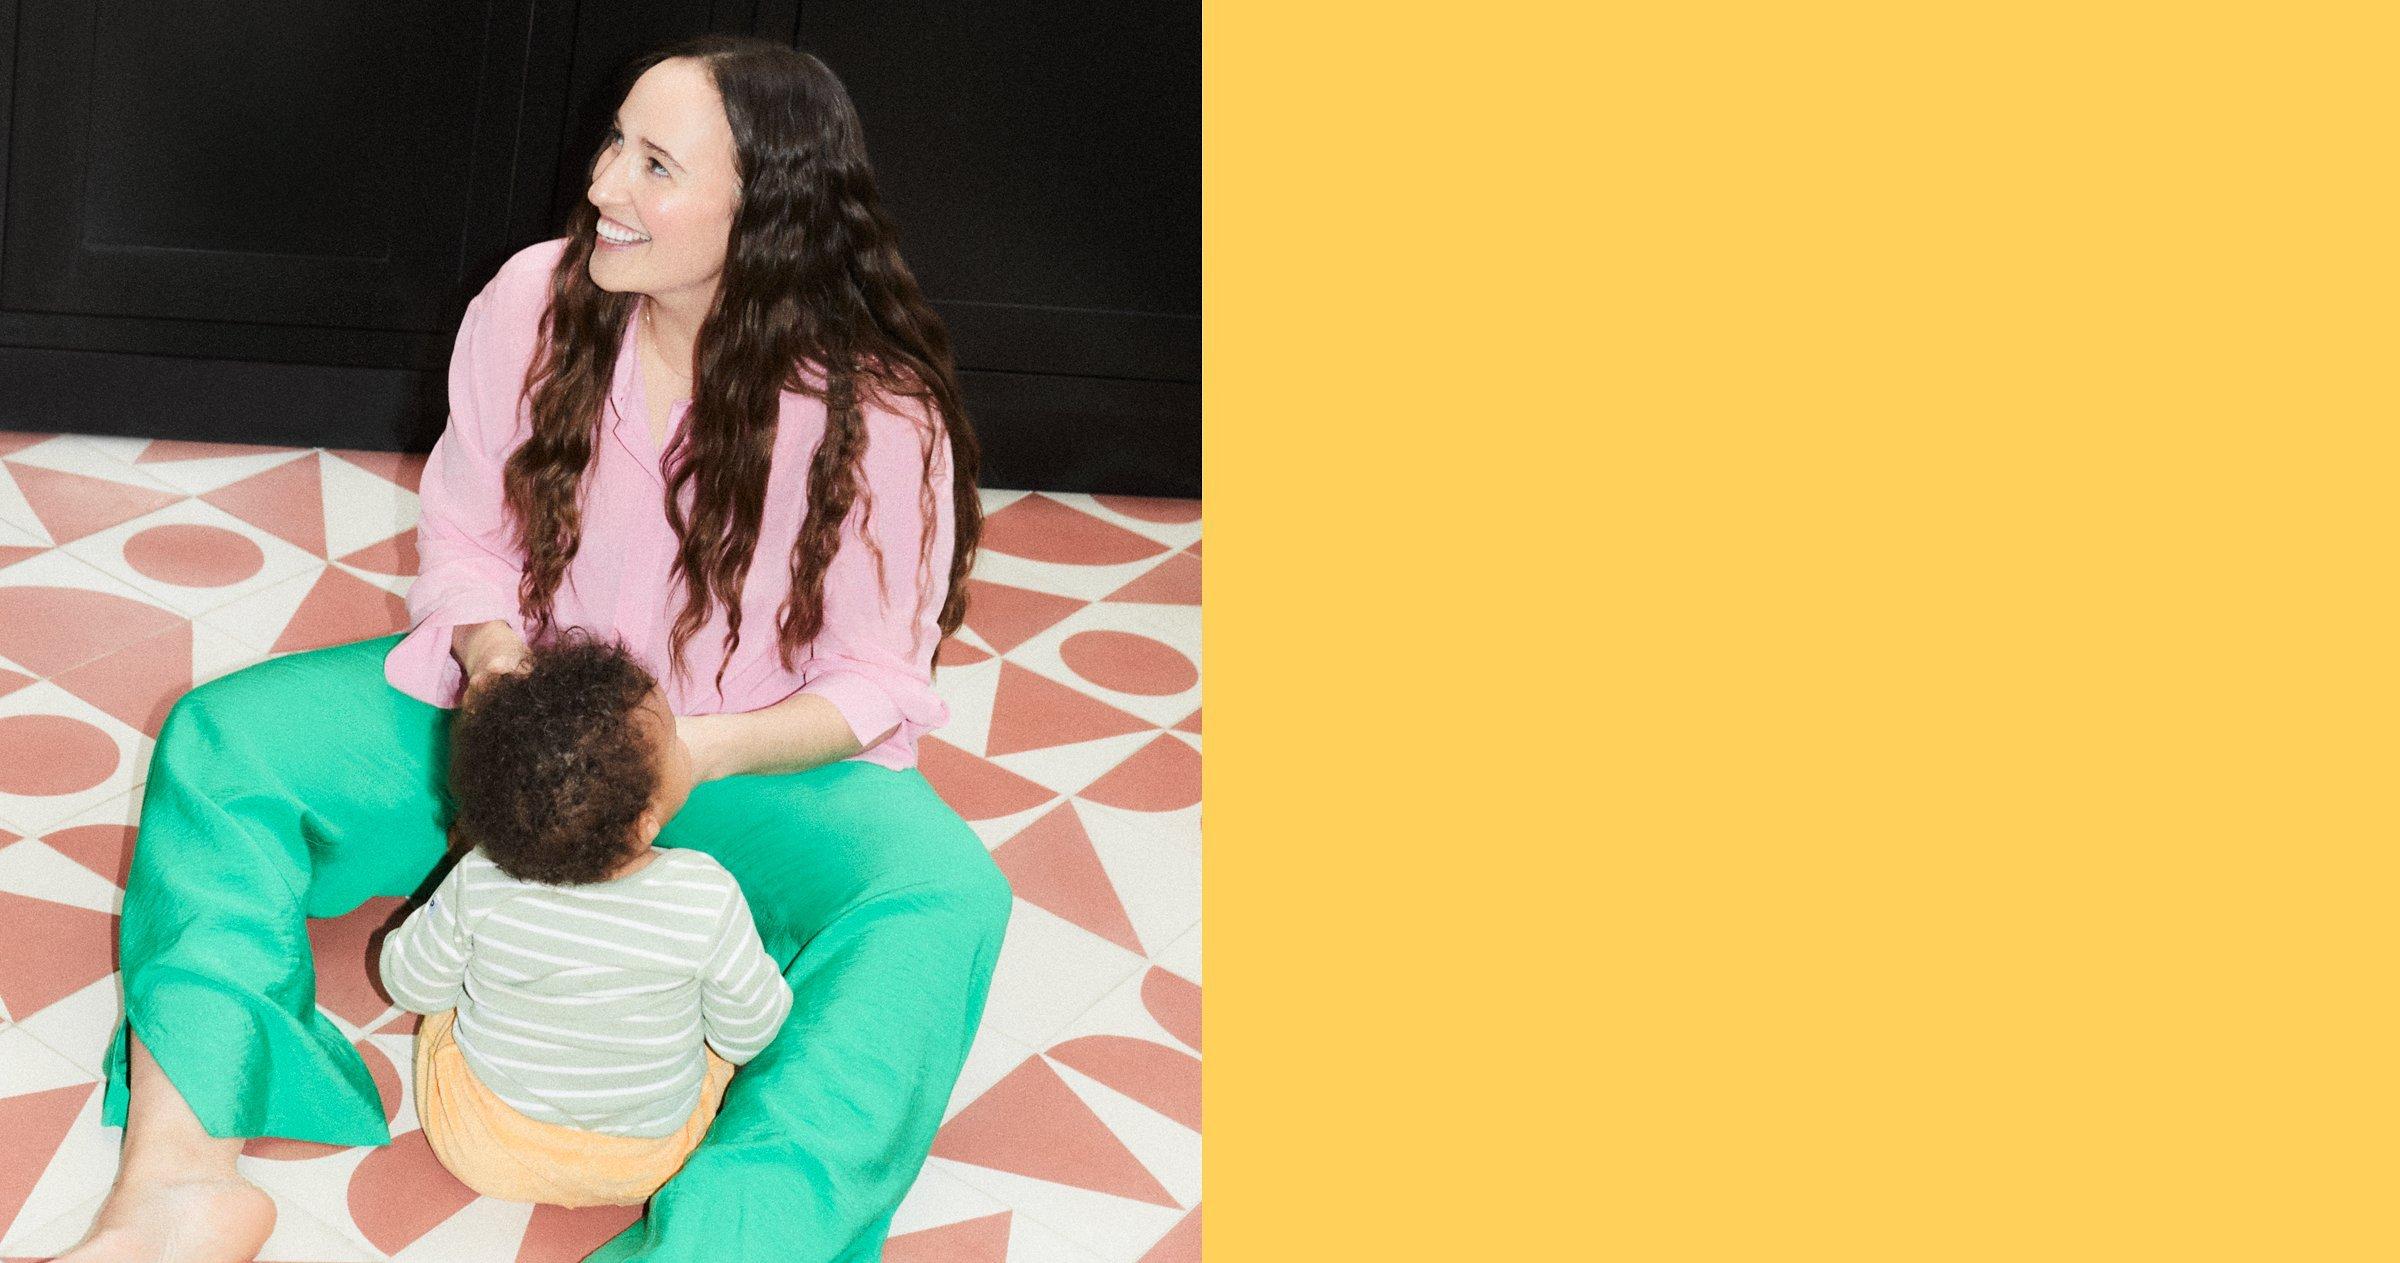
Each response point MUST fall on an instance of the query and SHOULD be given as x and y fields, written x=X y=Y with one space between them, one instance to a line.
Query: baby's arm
x=743 y=997
x=424 y=962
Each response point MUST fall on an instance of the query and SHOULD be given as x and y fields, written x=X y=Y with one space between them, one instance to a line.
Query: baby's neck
x=636 y=864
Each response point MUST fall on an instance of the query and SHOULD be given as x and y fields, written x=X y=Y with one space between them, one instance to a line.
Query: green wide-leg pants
x=302 y=786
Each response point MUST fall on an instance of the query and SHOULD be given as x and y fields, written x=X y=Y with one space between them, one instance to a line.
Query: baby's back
x=588 y=1005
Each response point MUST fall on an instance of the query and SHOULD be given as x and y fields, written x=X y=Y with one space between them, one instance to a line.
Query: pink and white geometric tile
x=131 y=570
x=192 y=556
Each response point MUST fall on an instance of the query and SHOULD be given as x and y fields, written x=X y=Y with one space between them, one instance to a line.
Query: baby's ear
x=648 y=825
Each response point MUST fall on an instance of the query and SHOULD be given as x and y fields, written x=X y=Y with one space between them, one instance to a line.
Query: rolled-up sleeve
x=469 y=565
x=874 y=658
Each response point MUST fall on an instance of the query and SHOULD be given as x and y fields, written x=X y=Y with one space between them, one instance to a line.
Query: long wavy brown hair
x=815 y=298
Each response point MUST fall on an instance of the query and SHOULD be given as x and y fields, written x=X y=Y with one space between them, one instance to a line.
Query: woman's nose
x=605 y=188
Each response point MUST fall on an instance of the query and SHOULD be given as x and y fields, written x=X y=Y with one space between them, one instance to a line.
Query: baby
x=589 y=995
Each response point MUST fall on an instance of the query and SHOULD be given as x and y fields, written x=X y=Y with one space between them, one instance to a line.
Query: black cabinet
x=260 y=221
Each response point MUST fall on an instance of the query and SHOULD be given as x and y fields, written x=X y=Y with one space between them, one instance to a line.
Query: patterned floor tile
x=192 y=557
x=132 y=569
x=65 y=755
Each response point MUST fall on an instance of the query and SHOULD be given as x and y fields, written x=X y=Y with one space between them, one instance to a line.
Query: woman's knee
x=285 y=688
x=984 y=896
x=225 y=707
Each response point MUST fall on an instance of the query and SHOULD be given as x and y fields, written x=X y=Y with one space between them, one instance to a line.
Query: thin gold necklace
x=651 y=327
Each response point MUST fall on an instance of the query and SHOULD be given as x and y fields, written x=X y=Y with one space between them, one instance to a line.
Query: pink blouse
x=873 y=660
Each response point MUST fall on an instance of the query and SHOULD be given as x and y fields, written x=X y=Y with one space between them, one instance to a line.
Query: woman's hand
x=486 y=652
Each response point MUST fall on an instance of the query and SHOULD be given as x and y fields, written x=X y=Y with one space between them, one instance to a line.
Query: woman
x=718 y=422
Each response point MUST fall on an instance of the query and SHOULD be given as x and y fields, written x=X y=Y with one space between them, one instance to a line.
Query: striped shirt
x=586 y=1005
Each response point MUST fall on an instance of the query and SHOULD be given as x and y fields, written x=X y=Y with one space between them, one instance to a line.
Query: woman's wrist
x=481 y=647
x=705 y=739
x=793 y=735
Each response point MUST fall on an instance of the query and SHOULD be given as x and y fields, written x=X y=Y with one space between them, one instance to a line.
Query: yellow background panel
x=1800 y=628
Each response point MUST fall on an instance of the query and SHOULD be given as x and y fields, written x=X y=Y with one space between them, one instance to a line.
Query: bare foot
x=220 y=1220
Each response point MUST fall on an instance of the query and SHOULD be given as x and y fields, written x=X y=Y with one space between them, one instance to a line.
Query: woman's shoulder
x=523 y=282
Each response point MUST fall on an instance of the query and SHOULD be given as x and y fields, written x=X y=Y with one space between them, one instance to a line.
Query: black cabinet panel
x=264 y=163
x=260 y=221
x=1043 y=162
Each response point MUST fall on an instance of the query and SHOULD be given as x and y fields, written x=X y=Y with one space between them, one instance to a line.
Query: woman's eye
x=654 y=165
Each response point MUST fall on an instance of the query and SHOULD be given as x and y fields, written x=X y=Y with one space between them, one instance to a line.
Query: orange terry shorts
x=501 y=1153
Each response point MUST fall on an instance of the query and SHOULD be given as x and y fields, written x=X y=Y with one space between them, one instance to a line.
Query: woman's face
x=666 y=188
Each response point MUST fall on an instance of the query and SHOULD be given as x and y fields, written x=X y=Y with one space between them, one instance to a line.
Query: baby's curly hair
x=550 y=770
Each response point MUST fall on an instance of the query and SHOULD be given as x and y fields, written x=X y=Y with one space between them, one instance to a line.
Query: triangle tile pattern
x=1155 y=1075
x=1032 y=1124
x=1034 y=712
x=397 y=555
x=34 y=1123
x=403 y=469
x=1045 y=528
x=983 y=1240
x=53 y=951
x=1175 y=581
x=139 y=682
x=12 y=441
x=1052 y=865
x=72 y=506
x=287 y=501
x=1007 y=617
x=1038 y=1129
x=341 y=608
x=103 y=848
x=1180 y=1245
x=976 y=788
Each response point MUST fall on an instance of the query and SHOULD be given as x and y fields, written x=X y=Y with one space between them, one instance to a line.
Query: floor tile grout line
x=228 y=602
x=54 y=1050
x=1181 y=1210
x=83 y=441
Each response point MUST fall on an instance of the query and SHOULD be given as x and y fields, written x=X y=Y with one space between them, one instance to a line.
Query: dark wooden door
x=260 y=221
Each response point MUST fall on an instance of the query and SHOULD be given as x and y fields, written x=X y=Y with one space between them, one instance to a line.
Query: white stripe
x=736 y=958
x=641 y=1089
x=762 y=1019
x=587 y=941
x=745 y=1015
x=448 y=948
x=593 y=1037
x=636 y=1130
x=432 y=984
x=750 y=1009
x=513 y=949
x=558 y=1069
x=485 y=964
x=651 y=904
x=627 y=922
x=750 y=978
x=648 y=1123
x=465 y=1022
x=536 y=997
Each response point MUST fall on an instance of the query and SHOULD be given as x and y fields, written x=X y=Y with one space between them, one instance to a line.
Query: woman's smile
x=616 y=236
